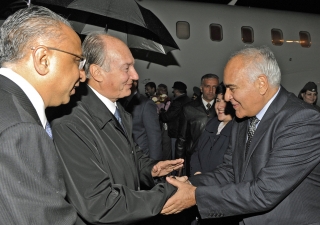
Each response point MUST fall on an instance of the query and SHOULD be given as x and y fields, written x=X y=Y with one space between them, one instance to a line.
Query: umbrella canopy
x=143 y=29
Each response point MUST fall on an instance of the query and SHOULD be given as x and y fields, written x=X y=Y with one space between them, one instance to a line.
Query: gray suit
x=278 y=182
x=32 y=190
x=145 y=125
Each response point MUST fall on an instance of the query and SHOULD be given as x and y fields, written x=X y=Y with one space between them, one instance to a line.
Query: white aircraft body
x=199 y=55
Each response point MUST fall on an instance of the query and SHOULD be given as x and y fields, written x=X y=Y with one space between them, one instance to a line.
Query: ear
x=41 y=60
x=262 y=84
x=95 y=72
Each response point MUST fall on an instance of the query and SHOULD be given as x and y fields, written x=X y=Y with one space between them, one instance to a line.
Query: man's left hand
x=163 y=168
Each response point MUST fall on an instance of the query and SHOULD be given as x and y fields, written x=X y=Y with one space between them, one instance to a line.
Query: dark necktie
x=208 y=106
x=48 y=129
x=252 y=128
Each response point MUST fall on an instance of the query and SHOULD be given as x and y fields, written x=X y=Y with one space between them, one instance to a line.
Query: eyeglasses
x=82 y=59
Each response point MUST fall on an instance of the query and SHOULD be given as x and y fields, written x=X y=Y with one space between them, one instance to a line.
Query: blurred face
x=208 y=89
x=162 y=91
x=65 y=67
x=118 y=80
x=220 y=107
x=149 y=91
x=309 y=97
x=243 y=94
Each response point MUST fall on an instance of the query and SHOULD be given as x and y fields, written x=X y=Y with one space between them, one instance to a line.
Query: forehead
x=233 y=72
x=311 y=92
x=210 y=81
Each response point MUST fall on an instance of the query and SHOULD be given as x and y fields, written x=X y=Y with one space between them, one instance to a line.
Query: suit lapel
x=9 y=86
x=240 y=147
x=274 y=108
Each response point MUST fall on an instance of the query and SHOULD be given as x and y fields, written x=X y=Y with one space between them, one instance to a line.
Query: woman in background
x=214 y=140
x=309 y=94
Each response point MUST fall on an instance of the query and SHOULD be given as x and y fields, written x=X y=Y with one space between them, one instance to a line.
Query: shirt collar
x=29 y=90
x=205 y=102
x=265 y=108
x=108 y=103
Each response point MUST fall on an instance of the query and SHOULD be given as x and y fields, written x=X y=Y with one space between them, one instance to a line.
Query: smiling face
x=118 y=80
x=309 y=96
x=220 y=106
x=243 y=94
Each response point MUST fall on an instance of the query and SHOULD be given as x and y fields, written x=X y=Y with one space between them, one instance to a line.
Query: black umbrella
x=143 y=29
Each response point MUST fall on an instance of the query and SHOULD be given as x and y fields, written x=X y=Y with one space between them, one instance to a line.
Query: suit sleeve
x=293 y=154
x=95 y=194
x=32 y=187
x=152 y=126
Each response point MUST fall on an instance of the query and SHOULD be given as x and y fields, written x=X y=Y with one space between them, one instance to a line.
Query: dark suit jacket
x=171 y=117
x=145 y=125
x=32 y=190
x=211 y=147
x=192 y=122
x=278 y=182
x=103 y=168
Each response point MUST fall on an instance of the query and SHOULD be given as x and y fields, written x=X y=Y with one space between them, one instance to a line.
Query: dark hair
x=163 y=86
x=310 y=86
x=209 y=76
x=229 y=110
x=151 y=85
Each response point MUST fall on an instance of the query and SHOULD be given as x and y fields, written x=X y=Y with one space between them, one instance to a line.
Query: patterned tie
x=252 y=128
x=208 y=106
x=48 y=129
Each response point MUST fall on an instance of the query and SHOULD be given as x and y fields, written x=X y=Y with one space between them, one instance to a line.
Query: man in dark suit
x=270 y=173
x=105 y=171
x=194 y=117
x=39 y=58
x=171 y=116
x=145 y=122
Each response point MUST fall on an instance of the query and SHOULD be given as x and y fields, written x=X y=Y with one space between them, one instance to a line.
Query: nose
x=82 y=76
x=228 y=95
x=133 y=74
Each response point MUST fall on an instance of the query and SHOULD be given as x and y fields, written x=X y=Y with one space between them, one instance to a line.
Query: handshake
x=184 y=197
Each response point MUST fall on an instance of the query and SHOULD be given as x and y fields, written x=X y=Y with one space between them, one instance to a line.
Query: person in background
x=214 y=140
x=196 y=93
x=270 y=172
x=171 y=116
x=109 y=180
x=145 y=122
x=193 y=119
x=309 y=94
x=40 y=59
x=164 y=104
x=150 y=89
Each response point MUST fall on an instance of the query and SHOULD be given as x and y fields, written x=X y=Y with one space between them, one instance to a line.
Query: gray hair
x=209 y=76
x=91 y=48
x=25 y=26
x=260 y=60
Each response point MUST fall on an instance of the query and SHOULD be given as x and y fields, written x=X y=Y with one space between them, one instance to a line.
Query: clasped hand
x=184 y=197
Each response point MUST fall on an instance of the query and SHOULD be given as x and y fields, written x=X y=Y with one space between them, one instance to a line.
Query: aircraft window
x=183 y=30
x=277 y=37
x=247 y=34
x=305 y=39
x=215 y=32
